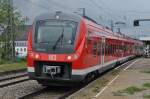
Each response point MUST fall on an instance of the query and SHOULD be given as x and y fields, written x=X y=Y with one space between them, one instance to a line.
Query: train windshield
x=55 y=36
x=55 y=32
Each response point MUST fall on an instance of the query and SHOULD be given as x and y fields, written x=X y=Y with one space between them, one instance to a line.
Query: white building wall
x=21 y=51
x=21 y=48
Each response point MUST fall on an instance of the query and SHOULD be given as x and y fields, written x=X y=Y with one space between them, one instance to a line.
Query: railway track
x=50 y=92
x=65 y=92
x=8 y=80
x=56 y=92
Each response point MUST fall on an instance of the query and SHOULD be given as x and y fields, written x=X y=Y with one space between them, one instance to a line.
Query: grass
x=133 y=89
x=12 y=66
x=146 y=96
x=146 y=71
x=130 y=90
x=146 y=85
x=118 y=93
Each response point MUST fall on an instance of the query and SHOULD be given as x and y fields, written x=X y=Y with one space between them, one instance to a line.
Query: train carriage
x=67 y=48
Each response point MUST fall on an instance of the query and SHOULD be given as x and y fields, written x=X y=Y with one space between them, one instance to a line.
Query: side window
x=24 y=49
x=21 y=49
x=99 y=48
x=111 y=49
x=88 y=37
x=114 y=49
x=94 y=48
x=106 y=49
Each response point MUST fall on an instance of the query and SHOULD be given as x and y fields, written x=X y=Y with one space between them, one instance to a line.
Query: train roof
x=63 y=16
x=78 y=18
x=115 y=35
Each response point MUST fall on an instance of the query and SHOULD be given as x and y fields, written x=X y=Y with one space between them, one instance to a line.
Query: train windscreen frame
x=57 y=34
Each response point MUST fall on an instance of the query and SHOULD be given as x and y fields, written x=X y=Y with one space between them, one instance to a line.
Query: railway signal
x=136 y=23
x=146 y=40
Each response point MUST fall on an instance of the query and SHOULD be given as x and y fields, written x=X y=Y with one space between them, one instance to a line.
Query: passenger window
x=99 y=48
x=24 y=49
x=95 y=48
x=88 y=37
x=106 y=49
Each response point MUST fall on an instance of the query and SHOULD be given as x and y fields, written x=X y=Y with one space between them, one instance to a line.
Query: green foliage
x=147 y=85
x=12 y=66
x=146 y=71
x=146 y=96
x=131 y=90
x=10 y=19
x=6 y=11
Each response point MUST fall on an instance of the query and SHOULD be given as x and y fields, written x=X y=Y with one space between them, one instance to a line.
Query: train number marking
x=52 y=57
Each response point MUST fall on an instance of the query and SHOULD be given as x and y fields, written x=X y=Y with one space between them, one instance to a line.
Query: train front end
x=53 y=47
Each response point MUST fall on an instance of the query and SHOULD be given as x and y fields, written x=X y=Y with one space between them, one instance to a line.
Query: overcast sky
x=101 y=10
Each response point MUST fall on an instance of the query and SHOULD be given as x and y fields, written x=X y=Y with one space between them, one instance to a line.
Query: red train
x=67 y=48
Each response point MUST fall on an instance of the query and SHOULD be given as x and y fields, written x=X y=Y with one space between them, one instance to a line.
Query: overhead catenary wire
x=68 y=8
x=38 y=5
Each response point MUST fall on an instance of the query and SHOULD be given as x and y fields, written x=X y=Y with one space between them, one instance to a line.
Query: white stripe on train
x=93 y=68
x=90 y=69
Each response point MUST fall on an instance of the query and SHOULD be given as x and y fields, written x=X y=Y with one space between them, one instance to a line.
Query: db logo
x=52 y=57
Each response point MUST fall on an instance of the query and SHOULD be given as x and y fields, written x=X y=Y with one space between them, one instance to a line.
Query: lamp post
x=12 y=28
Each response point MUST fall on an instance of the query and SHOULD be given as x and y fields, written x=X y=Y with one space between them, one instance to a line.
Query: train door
x=103 y=50
x=100 y=49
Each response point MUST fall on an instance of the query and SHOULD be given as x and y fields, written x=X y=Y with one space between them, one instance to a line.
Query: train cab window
x=48 y=31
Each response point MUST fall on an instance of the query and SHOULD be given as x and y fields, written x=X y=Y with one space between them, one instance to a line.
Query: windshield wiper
x=59 y=39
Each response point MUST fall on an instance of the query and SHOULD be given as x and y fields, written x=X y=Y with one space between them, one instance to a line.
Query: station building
x=146 y=41
x=21 y=42
x=21 y=45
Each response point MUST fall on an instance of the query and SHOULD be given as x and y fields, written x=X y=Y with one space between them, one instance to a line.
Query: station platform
x=133 y=82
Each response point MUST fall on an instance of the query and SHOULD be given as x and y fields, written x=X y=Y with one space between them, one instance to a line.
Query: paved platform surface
x=133 y=75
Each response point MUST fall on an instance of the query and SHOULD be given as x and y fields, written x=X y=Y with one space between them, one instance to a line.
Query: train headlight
x=69 y=57
x=37 y=56
x=72 y=57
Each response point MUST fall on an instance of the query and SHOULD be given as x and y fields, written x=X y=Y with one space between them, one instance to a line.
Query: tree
x=10 y=19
